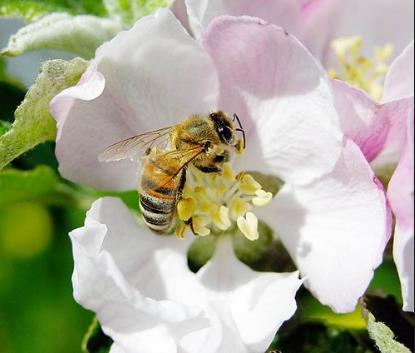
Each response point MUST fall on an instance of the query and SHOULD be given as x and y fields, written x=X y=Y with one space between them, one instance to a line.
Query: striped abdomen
x=160 y=191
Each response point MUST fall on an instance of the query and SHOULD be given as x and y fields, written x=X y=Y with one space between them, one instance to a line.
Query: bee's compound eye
x=225 y=134
x=213 y=116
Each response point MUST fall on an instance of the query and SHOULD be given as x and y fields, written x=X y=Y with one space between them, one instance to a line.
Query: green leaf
x=312 y=310
x=95 y=340
x=27 y=238
x=131 y=10
x=17 y=185
x=4 y=127
x=77 y=34
x=31 y=10
x=382 y=335
x=386 y=279
x=33 y=123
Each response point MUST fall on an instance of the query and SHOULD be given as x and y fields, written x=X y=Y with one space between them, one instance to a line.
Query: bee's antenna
x=240 y=129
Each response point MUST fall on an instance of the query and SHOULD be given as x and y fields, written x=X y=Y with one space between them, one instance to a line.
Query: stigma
x=217 y=203
x=358 y=70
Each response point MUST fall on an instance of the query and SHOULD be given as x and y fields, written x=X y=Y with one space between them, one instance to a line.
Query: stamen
x=214 y=203
x=248 y=225
x=358 y=70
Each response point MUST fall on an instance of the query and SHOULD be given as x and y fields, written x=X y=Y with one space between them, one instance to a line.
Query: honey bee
x=201 y=141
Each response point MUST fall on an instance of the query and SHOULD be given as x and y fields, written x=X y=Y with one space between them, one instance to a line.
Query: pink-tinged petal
x=399 y=82
x=395 y=140
x=155 y=76
x=179 y=9
x=401 y=196
x=284 y=13
x=246 y=307
x=129 y=277
x=318 y=24
x=335 y=229
x=367 y=123
x=379 y=22
x=281 y=95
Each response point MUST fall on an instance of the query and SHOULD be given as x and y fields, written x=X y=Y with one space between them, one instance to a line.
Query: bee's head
x=224 y=127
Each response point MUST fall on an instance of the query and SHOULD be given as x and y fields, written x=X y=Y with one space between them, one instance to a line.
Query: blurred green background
x=38 y=209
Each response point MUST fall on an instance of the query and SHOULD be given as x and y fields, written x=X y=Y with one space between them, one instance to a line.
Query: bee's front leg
x=209 y=169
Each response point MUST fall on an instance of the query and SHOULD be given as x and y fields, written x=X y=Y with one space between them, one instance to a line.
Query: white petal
x=281 y=95
x=335 y=229
x=251 y=306
x=130 y=278
x=399 y=82
x=155 y=76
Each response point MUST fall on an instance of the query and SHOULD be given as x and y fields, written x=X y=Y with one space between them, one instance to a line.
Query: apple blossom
x=330 y=213
x=344 y=35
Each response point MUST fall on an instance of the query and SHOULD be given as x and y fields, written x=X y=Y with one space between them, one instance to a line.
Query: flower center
x=358 y=70
x=213 y=203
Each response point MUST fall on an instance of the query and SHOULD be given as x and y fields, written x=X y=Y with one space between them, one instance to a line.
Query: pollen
x=359 y=70
x=217 y=203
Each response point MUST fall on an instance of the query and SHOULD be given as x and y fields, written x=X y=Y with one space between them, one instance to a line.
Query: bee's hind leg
x=189 y=223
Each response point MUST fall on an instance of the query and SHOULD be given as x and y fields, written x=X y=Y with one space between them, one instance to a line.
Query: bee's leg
x=189 y=223
x=182 y=183
x=209 y=168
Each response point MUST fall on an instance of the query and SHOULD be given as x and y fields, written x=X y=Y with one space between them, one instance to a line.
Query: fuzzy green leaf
x=33 y=123
x=77 y=34
x=383 y=335
x=131 y=10
x=31 y=10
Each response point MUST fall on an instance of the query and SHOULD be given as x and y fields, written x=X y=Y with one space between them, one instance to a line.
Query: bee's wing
x=133 y=147
x=175 y=161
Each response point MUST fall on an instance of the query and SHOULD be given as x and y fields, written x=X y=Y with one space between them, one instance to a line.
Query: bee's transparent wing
x=175 y=161
x=134 y=147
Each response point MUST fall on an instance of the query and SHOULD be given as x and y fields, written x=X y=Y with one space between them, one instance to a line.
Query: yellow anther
x=220 y=218
x=228 y=172
x=186 y=208
x=262 y=198
x=239 y=207
x=181 y=227
x=365 y=73
x=221 y=190
x=199 y=224
x=248 y=225
x=212 y=202
x=249 y=185
x=384 y=53
x=347 y=45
